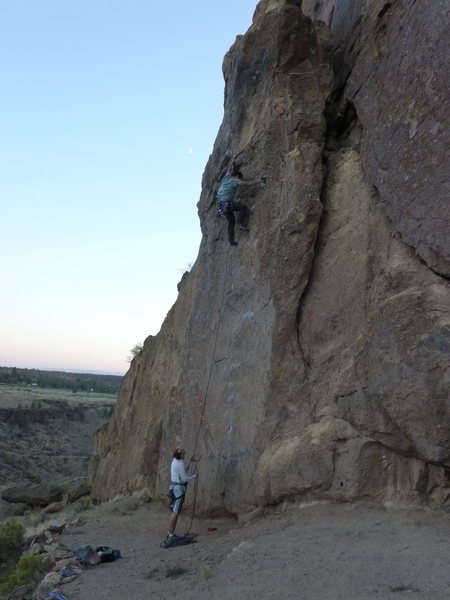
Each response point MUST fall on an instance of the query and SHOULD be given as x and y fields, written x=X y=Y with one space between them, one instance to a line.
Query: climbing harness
x=223 y=209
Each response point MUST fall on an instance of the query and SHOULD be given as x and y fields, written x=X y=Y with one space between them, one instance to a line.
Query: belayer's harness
x=171 y=491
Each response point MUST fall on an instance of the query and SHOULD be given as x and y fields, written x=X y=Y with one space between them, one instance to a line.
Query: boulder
x=24 y=592
x=446 y=505
x=36 y=495
x=50 y=582
x=56 y=528
x=84 y=489
x=54 y=507
x=19 y=509
x=8 y=510
x=36 y=547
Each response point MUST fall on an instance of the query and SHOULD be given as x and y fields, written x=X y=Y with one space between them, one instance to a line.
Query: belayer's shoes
x=171 y=541
x=233 y=243
x=168 y=541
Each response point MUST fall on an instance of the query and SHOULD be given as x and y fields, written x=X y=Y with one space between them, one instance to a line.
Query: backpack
x=107 y=554
x=83 y=552
x=56 y=595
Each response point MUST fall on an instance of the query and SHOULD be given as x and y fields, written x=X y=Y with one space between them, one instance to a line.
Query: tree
x=135 y=351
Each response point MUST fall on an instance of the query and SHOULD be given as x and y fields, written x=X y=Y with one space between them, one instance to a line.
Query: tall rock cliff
x=312 y=359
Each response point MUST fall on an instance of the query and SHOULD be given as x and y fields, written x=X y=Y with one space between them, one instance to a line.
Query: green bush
x=27 y=569
x=11 y=540
x=34 y=478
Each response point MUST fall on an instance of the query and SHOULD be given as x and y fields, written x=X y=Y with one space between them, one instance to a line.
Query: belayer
x=177 y=490
x=226 y=193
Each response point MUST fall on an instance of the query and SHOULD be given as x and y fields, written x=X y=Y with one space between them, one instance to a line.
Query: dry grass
x=12 y=396
x=174 y=571
x=206 y=572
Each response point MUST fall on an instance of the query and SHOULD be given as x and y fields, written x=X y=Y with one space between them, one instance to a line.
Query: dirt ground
x=320 y=551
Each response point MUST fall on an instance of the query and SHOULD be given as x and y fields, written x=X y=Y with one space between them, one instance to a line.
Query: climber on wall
x=226 y=193
x=177 y=490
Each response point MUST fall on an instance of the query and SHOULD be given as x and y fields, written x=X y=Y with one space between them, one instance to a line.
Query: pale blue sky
x=108 y=113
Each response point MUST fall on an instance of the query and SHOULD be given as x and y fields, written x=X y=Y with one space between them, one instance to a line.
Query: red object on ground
x=212 y=528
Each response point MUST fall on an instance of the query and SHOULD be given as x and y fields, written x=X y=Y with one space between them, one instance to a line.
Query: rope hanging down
x=205 y=398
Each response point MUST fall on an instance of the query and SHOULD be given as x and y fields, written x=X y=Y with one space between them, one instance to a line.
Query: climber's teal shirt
x=227 y=188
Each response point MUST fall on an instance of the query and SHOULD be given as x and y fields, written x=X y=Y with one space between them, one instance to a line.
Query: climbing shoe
x=233 y=243
x=174 y=540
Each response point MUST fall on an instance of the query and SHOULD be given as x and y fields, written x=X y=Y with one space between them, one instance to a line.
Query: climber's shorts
x=178 y=494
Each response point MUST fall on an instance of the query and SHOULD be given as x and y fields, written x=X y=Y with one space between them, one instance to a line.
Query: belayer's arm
x=184 y=476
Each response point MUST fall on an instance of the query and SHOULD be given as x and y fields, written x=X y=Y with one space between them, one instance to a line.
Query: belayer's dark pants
x=243 y=215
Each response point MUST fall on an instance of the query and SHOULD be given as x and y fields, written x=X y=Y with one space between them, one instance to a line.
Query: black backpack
x=107 y=554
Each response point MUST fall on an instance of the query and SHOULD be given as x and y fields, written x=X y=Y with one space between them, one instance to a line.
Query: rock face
x=310 y=361
x=392 y=58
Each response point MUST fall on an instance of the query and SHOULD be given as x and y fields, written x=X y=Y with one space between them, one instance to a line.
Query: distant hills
x=106 y=384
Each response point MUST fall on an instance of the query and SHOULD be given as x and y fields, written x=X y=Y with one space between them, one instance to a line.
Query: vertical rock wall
x=374 y=329
x=390 y=61
x=312 y=359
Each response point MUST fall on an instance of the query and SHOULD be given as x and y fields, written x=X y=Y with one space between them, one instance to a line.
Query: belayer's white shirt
x=178 y=472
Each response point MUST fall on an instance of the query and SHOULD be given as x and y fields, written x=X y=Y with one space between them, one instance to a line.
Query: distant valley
x=46 y=433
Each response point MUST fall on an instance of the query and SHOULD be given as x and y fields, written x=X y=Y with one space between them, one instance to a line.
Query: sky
x=108 y=112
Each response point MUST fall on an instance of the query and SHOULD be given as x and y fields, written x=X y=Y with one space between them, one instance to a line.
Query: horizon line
x=72 y=371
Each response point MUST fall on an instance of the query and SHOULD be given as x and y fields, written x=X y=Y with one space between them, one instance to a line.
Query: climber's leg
x=231 y=223
x=243 y=214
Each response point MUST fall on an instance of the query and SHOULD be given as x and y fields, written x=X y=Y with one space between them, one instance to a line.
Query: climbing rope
x=216 y=335
x=194 y=459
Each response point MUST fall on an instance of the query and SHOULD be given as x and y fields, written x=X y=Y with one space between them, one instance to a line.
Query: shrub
x=206 y=572
x=27 y=569
x=152 y=573
x=36 y=517
x=135 y=351
x=11 y=539
x=34 y=478
x=127 y=506
x=175 y=571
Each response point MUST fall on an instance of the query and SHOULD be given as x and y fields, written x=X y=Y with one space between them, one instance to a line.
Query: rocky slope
x=312 y=359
